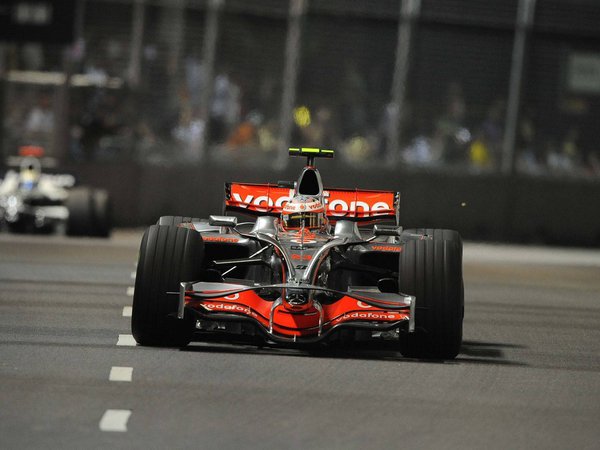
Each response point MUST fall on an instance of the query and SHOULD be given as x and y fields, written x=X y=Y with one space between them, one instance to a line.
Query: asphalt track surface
x=528 y=375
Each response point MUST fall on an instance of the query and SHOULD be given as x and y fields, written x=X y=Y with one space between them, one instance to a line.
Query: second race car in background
x=33 y=201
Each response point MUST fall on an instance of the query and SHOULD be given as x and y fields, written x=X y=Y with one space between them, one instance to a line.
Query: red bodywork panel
x=290 y=324
x=353 y=204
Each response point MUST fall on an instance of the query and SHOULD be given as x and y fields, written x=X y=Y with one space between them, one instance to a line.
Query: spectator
x=527 y=157
x=594 y=163
x=225 y=108
x=195 y=78
x=189 y=134
x=566 y=159
x=451 y=136
x=486 y=148
x=319 y=131
x=39 y=123
x=245 y=134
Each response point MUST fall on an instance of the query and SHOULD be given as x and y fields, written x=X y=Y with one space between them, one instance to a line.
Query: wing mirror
x=286 y=184
x=222 y=221
x=387 y=230
x=388 y=285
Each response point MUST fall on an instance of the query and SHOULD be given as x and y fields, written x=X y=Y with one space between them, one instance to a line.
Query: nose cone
x=297 y=300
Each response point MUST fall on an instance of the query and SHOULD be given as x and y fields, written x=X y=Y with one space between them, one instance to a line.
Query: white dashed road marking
x=115 y=420
x=127 y=311
x=126 y=340
x=130 y=291
x=120 y=373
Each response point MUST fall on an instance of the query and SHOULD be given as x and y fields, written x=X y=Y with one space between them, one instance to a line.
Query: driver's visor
x=296 y=221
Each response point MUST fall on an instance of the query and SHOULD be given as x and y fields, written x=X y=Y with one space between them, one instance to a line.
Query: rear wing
x=348 y=204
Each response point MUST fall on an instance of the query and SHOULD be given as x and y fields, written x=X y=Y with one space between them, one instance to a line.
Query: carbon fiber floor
x=527 y=376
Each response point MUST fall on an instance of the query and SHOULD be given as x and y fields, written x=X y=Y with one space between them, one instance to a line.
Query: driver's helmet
x=303 y=212
x=30 y=173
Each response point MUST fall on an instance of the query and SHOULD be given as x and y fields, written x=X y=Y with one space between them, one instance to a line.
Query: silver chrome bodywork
x=301 y=259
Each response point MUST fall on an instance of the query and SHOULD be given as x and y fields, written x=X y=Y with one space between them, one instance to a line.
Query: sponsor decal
x=339 y=203
x=228 y=240
x=306 y=234
x=306 y=238
x=340 y=208
x=386 y=248
x=298 y=257
x=295 y=207
x=363 y=305
x=368 y=315
x=230 y=307
x=303 y=241
x=264 y=200
x=226 y=307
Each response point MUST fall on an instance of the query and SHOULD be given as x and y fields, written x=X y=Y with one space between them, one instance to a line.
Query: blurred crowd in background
x=144 y=103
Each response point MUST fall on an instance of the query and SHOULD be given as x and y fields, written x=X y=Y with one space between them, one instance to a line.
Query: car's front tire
x=168 y=256
x=431 y=270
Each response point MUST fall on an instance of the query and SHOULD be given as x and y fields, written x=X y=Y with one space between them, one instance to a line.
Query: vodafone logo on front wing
x=368 y=315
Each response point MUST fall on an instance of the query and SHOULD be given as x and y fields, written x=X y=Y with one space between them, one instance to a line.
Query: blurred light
x=302 y=116
x=57 y=78
x=463 y=136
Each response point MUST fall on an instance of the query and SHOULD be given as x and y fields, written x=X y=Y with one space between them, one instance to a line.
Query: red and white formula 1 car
x=302 y=272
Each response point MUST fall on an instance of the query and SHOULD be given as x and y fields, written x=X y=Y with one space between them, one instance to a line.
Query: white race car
x=32 y=201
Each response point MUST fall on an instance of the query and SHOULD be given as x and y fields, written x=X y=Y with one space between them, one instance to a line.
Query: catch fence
x=474 y=86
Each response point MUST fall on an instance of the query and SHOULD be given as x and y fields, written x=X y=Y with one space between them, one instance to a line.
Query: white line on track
x=132 y=275
x=120 y=373
x=130 y=291
x=126 y=340
x=115 y=420
x=127 y=311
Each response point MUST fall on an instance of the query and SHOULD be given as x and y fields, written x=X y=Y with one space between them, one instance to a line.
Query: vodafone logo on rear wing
x=257 y=199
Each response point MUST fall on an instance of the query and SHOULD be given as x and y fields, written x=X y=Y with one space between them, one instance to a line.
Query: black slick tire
x=102 y=217
x=80 y=207
x=168 y=256
x=431 y=270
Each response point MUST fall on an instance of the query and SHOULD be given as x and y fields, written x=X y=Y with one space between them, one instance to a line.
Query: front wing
x=362 y=308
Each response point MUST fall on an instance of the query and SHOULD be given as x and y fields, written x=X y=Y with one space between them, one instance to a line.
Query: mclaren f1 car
x=316 y=266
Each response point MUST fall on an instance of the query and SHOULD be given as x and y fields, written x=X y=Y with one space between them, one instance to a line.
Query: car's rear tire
x=20 y=226
x=176 y=220
x=80 y=205
x=102 y=217
x=168 y=256
x=431 y=270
